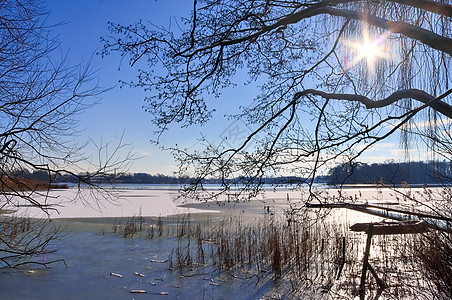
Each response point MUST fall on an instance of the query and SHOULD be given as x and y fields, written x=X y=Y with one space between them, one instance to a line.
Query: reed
x=160 y=226
x=131 y=227
x=433 y=251
x=313 y=256
x=263 y=245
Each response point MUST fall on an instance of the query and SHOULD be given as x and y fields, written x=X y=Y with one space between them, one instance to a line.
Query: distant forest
x=141 y=178
x=391 y=173
x=360 y=173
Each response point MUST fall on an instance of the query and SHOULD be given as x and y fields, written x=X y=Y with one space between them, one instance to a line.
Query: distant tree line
x=137 y=178
x=140 y=178
x=430 y=172
x=144 y=178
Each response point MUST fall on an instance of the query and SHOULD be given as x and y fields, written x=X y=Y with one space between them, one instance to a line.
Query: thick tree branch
x=425 y=36
x=419 y=95
x=429 y=5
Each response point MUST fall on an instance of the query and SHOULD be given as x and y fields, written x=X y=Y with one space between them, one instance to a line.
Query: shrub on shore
x=21 y=184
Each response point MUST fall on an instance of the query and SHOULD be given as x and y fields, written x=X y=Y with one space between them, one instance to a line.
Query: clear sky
x=120 y=110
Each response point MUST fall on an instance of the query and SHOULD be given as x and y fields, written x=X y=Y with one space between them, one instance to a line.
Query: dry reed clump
x=265 y=245
x=314 y=257
x=434 y=254
x=135 y=225
x=323 y=257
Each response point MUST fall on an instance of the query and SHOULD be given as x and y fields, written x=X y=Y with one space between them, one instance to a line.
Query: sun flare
x=369 y=49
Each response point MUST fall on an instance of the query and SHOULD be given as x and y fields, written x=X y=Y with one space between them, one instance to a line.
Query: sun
x=369 y=49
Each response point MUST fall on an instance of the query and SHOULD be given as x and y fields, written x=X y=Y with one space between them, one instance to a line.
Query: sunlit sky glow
x=367 y=48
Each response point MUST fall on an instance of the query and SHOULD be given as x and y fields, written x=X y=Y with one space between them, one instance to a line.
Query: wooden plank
x=382 y=228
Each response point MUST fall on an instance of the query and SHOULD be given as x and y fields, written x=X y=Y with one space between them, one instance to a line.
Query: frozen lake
x=161 y=200
x=93 y=251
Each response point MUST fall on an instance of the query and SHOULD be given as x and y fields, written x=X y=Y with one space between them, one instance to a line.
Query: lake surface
x=93 y=251
x=91 y=258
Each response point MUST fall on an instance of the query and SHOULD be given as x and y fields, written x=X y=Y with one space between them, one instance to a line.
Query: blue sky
x=120 y=110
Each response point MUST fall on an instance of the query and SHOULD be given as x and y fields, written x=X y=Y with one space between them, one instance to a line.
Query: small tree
x=39 y=101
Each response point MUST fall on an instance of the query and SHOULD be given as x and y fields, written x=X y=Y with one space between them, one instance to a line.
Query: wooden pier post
x=367 y=266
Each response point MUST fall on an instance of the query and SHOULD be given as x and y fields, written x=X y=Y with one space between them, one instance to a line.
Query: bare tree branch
x=422 y=96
